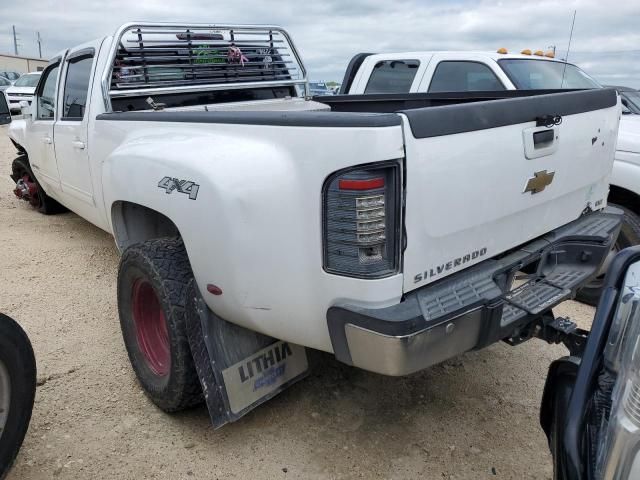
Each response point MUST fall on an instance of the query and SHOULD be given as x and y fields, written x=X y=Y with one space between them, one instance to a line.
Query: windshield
x=545 y=75
x=28 y=80
x=632 y=101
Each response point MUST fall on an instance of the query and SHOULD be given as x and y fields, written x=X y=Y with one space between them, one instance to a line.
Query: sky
x=606 y=37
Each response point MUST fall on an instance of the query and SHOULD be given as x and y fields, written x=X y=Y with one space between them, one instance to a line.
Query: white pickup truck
x=254 y=222
x=436 y=73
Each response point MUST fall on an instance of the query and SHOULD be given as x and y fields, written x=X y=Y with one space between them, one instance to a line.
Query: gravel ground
x=473 y=417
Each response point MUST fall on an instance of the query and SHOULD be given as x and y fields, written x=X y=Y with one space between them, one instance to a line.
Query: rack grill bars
x=151 y=59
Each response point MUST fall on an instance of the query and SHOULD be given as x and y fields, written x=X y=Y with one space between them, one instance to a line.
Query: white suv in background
x=22 y=89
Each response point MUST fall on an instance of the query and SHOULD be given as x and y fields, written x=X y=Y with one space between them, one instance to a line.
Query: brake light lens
x=370 y=184
x=362 y=221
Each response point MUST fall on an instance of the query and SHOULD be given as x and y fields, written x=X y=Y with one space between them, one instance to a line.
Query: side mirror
x=25 y=108
x=5 y=114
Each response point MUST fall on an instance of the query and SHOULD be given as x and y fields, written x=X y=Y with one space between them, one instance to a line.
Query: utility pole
x=40 y=44
x=15 y=41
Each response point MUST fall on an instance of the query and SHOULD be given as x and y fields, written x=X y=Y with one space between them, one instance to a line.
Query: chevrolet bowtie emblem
x=539 y=182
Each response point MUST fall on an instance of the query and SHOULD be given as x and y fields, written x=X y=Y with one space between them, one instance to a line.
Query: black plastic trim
x=350 y=73
x=81 y=54
x=288 y=119
x=468 y=117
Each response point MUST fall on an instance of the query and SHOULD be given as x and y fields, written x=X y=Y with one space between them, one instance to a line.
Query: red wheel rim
x=151 y=328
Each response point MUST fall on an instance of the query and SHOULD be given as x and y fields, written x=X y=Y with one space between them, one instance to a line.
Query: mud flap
x=238 y=369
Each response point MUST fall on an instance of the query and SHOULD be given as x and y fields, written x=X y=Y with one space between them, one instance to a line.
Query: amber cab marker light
x=502 y=51
x=214 y=289
x=526 y=51
x=538 y=53
x=550 y=54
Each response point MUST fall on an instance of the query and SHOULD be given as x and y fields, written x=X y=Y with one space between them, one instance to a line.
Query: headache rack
x=154 y=59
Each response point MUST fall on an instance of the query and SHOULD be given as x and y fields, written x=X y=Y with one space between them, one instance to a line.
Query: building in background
x=21 y=64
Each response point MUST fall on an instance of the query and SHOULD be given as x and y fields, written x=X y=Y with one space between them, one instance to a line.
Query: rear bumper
x=476 y=307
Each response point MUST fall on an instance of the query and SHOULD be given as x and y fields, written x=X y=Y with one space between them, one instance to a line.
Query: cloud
x=329 y=32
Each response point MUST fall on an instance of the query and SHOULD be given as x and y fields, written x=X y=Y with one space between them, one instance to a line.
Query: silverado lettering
x=456 y=262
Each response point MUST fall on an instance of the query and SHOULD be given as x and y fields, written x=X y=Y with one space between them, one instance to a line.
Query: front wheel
x=629 y=236
x=17 y=390
x=28 y=188
x=152 y=299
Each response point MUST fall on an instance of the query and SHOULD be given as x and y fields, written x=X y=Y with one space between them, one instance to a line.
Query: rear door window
x=76 y=87
x=464 y=76
x=392 y=76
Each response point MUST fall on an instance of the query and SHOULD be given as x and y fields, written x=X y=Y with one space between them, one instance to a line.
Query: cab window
x=459 y=76
x=76 y=87
x=47 y=94
x=392 y=76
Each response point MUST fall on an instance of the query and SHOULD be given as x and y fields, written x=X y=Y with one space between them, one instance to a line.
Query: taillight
x=362 y=221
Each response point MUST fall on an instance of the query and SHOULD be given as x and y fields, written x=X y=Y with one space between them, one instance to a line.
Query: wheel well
x=133 y=223
x=625 y=197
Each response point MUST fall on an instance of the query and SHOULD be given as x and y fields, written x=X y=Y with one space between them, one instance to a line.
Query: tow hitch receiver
x=554 y=330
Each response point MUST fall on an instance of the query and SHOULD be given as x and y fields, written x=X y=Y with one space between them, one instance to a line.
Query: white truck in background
x=444 y=72
x=254 y=222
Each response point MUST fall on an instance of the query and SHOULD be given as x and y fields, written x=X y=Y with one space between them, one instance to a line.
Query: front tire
x=629 y=236
x=152 y=299
x=17 y=389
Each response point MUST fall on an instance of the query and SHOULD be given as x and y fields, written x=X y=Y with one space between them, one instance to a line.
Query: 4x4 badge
x=182 y=186
x=539 y=182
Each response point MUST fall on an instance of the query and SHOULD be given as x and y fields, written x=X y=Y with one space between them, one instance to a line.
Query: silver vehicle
x=591 y=403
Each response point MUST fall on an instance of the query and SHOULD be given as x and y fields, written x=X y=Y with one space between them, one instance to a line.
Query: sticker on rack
x=263 y=373
x=187 y=187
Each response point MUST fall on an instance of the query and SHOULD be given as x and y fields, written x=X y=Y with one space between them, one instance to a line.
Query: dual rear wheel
x=153 y=280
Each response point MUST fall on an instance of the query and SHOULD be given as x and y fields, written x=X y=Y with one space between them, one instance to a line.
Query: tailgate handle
x=543 y=138
x=540 y=141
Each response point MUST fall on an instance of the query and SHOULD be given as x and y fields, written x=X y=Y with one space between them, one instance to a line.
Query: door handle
x=46 y=140
x=78 y=144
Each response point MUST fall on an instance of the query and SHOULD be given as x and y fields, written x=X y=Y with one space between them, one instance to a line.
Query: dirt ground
x=473 y=417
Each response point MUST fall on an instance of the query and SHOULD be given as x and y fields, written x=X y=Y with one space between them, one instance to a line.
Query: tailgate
x=482 y=178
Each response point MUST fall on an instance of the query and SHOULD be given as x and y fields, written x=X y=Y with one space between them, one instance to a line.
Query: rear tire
x=153 y=281
x=17 y=390
x=629 y=236
x=21 y=170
